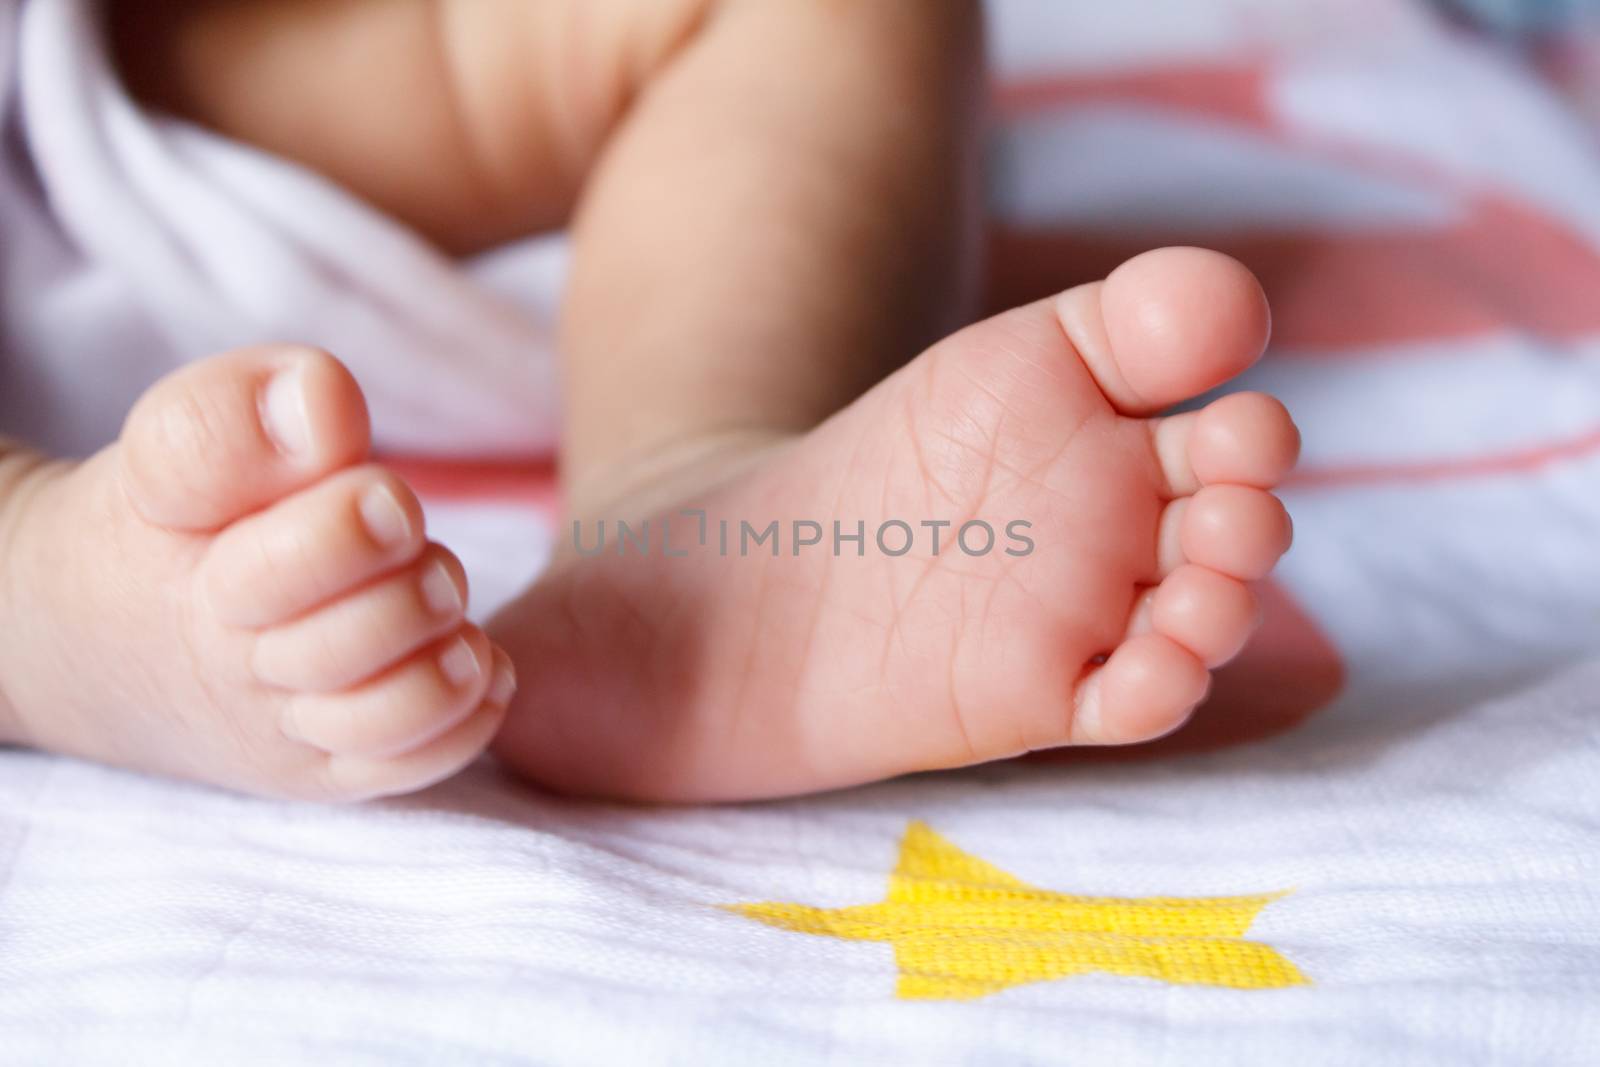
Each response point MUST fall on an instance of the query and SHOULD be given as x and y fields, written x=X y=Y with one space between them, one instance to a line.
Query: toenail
x=439 y=590
x=283 y=411
x=460 y=663
x=505 y=683
x=384 y=518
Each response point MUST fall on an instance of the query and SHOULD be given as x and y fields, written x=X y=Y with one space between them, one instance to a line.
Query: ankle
x=22 y=474
x=646 y=480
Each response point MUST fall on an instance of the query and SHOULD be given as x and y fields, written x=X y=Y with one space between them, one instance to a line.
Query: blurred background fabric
x=1528 y=16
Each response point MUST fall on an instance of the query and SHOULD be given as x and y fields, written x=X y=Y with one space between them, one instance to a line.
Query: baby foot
x=738 y=674
x=225 y=595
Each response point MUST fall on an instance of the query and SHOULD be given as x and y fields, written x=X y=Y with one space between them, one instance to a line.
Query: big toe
x=223 y=437
x=1167 y=326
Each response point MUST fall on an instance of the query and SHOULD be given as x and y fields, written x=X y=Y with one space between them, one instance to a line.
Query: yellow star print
x=963 y=928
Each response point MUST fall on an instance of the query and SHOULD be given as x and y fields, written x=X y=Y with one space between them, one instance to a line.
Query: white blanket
x=1397 y=860
x=1442 y=912
x=131 y=245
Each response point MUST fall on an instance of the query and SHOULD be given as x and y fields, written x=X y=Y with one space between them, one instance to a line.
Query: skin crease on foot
x=229 y=594
x=715 y=677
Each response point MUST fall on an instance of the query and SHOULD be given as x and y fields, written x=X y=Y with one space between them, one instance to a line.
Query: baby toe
x=355 y=637
x=367 y=777
x=1207 y=613
x=1244 y=439
x=1167 y=325
x=311 y=547
x=1239 y=531
x=1146 y=689
x=227 y=435
x=403 y=708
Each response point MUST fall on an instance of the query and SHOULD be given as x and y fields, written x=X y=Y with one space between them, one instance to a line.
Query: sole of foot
x=726 y=673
